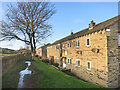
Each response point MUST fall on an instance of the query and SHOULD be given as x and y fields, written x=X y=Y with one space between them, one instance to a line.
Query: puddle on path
x=23 y=73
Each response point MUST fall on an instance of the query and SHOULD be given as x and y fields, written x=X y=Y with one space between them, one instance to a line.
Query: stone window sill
x=77 y=66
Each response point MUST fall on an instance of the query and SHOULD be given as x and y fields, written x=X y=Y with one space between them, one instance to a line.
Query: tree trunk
x=32 y=51
x=34 y=47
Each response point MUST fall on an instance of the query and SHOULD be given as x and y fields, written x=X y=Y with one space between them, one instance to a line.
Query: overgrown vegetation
x=49 y=77
x=45 y=61
x=56 y=64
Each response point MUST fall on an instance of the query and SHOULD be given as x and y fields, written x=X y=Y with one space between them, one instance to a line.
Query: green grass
x=11 y=78
x=48 y=77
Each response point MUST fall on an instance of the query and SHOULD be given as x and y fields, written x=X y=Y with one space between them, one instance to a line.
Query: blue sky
x=72 y=16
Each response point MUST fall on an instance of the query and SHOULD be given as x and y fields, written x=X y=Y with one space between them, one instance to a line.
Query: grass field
x=43 y=76
x=11 y=78
x=49 y=77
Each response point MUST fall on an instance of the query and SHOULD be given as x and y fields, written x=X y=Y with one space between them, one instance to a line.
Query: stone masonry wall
x=9 y=61
x=39 y=51
x=113 y=59
x=99 y=63
x=99 y=71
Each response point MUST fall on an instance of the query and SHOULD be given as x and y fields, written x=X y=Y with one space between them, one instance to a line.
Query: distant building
x=93 y=54
x=42 y=51
x=24 y=51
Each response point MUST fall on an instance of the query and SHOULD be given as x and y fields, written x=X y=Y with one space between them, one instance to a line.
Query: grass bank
x=48 y=77
x=11 y=78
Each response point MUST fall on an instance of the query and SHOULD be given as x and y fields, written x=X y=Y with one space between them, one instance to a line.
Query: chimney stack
x=91 y=25
x=71 y=33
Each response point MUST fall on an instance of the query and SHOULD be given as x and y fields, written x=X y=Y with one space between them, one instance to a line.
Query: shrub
x=40 y=57
x=56 y=64
x=51 y=62
x=45 y=61
x=36 y=55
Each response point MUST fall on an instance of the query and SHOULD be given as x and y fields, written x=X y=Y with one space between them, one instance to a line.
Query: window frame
x=59 y=47
x=63 y=45
x=55 y=47
x=119 y=40
x=65 y=52
x=55 y=58
x=76 y=43
x=69 y=61
x=86 y=42
x=87 y=65
x=69 y=45
x=77 y=63
x=119 y=67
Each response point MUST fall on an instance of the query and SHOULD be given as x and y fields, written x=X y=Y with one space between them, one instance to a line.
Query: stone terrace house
x=42 y=51
x=93 y=54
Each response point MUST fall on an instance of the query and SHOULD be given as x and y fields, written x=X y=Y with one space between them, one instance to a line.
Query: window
x=55 y=47
x=69 y=61
x=63 y=45
x=59 y=47
x=77 y=43
x=88 y=42
x=88 y=65
x=65 y=52
x=77 y=62
x=119 y=67
x=69 y=45
x=60 y=60
x=119 y=40
x=55 y=59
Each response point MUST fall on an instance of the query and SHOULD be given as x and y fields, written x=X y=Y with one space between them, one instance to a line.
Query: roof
x=98 y=27
x=44 y=45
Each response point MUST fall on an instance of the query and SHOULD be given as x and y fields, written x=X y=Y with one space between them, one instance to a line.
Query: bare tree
x=28 y=22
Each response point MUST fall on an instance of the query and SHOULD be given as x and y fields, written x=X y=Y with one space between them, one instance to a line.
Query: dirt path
x=27 y=82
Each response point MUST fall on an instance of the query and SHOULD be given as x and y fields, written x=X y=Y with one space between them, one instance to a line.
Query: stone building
x=24 y=51
x=39 y=51
x=93 y=54
x=42 y=51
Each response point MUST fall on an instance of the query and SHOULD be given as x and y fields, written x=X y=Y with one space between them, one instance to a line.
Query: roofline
x=84 y=29
x=44 y=45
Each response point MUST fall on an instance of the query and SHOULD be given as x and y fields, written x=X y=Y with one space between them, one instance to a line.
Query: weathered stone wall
x=113 y=57
x=42 y=51
x=104 y=64
x=52 y=51
x=98 y=73
x=39 y=51
x=9 y=61
x=99 y=64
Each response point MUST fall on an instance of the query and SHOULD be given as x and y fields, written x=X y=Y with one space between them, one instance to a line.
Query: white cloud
x=12 y=44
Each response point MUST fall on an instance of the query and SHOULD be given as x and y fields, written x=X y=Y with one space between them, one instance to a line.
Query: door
x=64 y=63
